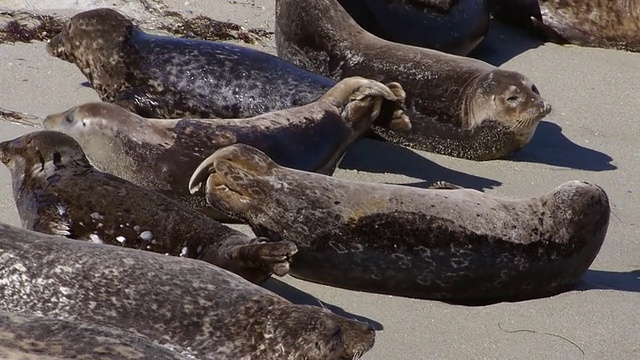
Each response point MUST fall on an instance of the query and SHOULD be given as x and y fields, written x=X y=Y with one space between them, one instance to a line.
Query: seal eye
x=512 y=98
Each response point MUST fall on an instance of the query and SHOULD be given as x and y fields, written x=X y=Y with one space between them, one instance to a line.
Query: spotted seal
x=452 y=26
x=613 y=24
x=209 y=311
x=458 y=245
x=167 y=77
x=57 y=191
x=29 y=337
x=458 y=106
x=161 y=155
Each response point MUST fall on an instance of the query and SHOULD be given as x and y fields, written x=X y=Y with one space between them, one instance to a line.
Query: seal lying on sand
x=209 y=311
x=458 y=245
x=28 y=337
x=168 y=77
x=58 y=192
x=613 y=24
x=458 y=106
x=161 y=155
x=452 y=26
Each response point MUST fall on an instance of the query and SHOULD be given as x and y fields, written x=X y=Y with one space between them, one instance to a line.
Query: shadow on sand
x=502 y=43
x=384 y=157
x=300 y=297
x=610 y=280
x=550 y=146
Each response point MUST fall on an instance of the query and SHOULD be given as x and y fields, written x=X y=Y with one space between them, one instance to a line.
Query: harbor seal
x=161 y=154
x=29 y=337
x=613 y=24
x=451 y=26
x=457 y=245
x=207 y=310
x=167 y=77
x=458 y=106
x=57 y=191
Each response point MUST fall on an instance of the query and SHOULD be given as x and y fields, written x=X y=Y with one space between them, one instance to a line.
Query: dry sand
x=592 y=135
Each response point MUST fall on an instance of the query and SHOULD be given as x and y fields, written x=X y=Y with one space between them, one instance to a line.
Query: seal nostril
x=535 y=89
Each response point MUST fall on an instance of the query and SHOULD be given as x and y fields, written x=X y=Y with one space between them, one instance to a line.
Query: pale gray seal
x=457 y=245
x=30 y=337
x=58 y=192
x=211 y=312
x=458 y=106
x=161 y=154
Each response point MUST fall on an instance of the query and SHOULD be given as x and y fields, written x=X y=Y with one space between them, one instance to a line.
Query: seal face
x=58 y=192
x=161 y=154
x=451 y=26
x=611 y=24
x=458 y=106
x=169 y=77
x=29 y=337
x=458 y=245
x=213 y=313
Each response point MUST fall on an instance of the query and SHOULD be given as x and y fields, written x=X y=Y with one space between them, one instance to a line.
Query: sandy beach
x=591 y=135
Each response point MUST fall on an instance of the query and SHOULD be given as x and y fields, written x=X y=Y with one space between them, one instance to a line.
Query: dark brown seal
x=613 y=24
x=458 y=245
x=452 y=26
x=29 y=337
x=161 y=154
x=458 y=106
x=207 y=310
x=57 y=191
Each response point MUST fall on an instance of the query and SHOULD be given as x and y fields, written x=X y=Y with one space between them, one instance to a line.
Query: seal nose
x=544 y=106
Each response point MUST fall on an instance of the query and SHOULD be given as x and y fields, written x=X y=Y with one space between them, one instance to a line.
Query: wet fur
x=457 y=245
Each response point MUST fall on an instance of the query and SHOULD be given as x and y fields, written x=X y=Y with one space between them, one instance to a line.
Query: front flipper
x=257 y=260
x=142 y=104
x=274 y=257
x=444 y=185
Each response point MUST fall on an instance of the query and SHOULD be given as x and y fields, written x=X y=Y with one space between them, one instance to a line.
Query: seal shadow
x=386 y=157
x=503 y=42
x=550 y=146
x=610 y=280
x=300 y=297
x=86 y=84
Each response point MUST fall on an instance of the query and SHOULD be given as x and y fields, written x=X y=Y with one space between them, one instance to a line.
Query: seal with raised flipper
x=209 y=311
x=30 y=337
x=452 y=244
x=458 y=106
x=161 y=154
x=613 y=24
x=451 y=26
x=57 y=191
